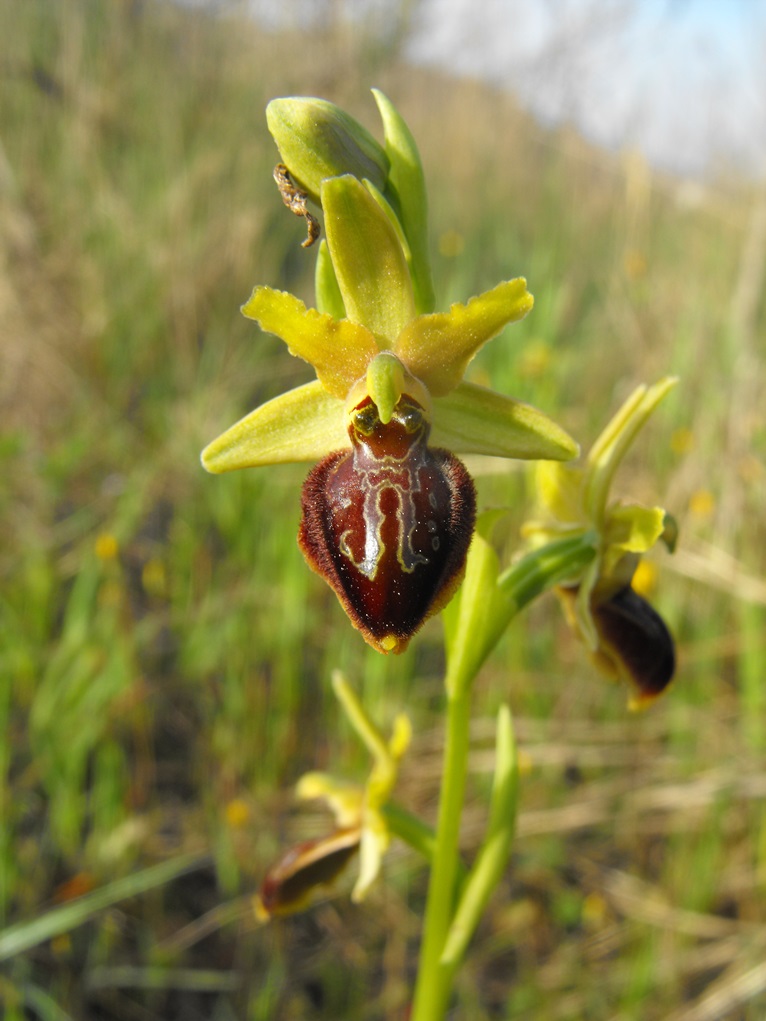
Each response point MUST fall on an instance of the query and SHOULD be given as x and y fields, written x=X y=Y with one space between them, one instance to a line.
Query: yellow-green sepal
x=473 y=420
x=316 y=140
x=304 y=424
x=370 y=265
x=438 y=347
x=339 y=350
x=610 y=448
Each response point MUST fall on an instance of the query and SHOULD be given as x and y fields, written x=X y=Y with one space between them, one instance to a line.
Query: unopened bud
x=317 y=139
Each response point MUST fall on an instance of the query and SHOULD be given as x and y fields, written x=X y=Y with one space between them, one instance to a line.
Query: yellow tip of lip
x=389 y=643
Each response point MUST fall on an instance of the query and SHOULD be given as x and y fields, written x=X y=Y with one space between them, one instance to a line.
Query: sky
x=683 y=80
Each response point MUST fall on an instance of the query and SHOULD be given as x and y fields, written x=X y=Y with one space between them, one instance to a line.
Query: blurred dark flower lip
x=292 y=882
x=634 y=643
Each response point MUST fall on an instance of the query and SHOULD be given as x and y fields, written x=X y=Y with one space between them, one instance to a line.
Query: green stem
x=434 y=981
x=547 y=566
x=473 y=624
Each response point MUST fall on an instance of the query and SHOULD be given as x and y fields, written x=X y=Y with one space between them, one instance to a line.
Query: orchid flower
x=625 y=635
x=389 y=510
x=361 y=823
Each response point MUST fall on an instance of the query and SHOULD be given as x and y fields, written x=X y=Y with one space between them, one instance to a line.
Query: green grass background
x=165 y=653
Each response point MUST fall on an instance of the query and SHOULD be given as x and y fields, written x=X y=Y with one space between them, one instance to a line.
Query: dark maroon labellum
x=634 y=641
x=637 y=640
x=290 y=884
x=388 y=523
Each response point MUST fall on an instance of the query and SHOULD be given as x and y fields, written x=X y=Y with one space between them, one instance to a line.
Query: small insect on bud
x=297 y=202
x=388 y=524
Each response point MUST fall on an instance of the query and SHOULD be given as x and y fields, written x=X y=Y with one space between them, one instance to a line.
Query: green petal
x=328 y=296
x=317 y=139
x=635 y=529
x=474 y=420
x=368 y=258
x=437 y=348
x=344 y=799
x=374 y=844
x=407 y=185
x=385 y=204
x=304 y=424
x=339 y=350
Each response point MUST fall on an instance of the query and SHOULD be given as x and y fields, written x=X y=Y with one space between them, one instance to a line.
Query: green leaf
x=24 y=935
x=369 y=261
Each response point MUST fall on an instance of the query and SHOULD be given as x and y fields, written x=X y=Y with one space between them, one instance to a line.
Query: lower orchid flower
x=361 y=822
x=626 y=637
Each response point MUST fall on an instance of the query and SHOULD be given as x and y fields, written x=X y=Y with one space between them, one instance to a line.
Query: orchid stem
x=434 y=981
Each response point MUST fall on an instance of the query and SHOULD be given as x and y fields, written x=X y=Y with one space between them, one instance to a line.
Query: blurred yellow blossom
x=451 y=244
x=701 y=503
x=106 y=546
x=682 y=441
x=237 y=813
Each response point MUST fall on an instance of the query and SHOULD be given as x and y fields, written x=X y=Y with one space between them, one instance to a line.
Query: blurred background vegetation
x=164 y=652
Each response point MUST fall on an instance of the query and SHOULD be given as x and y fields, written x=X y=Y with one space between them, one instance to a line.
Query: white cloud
x=681 y=80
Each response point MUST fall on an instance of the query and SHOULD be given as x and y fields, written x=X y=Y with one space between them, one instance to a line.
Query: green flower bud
x=317 y=139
